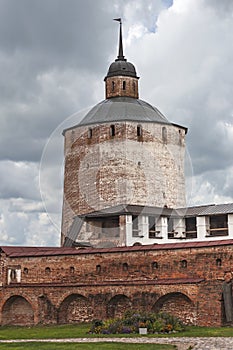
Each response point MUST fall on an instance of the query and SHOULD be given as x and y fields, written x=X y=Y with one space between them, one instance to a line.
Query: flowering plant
x=142 y=325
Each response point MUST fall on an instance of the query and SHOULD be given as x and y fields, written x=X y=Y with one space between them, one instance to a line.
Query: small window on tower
x=112 y=130
x=113 y=86
x=89 y=134
x=181 y=138
x=139 y=131
x=164 y=134
x=72 y=136
x=134 y=87
x=124 y=85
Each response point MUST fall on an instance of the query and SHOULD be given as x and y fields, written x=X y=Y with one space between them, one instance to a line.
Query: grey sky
x=53 y=57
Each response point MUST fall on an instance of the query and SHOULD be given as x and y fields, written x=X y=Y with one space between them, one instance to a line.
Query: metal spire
x=120 y=56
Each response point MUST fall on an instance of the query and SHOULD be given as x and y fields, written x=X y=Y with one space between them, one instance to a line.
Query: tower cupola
x=121 y=79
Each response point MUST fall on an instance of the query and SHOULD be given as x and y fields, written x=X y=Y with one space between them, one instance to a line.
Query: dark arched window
x=113 y=86
x=71 y=270
x=98 y=268
x=47 y=270
x=25 y=270
x=124 y=85
x=125 y=267
x=184 y=264
x=155 y=265
x=218 y=262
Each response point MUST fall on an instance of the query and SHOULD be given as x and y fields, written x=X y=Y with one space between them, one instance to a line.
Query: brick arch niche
x=178 y=305
x=17 y=311
x=75 y=308
x=118 y=305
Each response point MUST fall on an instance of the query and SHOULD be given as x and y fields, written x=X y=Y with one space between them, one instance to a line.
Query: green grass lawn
x=45 y=332
x=81 y=331
x=206 y=332
x=85 y=346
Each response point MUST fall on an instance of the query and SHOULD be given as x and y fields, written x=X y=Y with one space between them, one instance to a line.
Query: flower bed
x=131 y=322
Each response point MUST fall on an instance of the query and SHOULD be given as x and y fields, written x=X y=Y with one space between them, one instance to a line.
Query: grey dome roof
x=123 y=109
x=121 y=67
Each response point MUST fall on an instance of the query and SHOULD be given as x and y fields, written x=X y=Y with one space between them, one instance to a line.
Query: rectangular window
x=135 y=228
x=110 y=227
x=191 y=227
x=153 y=232
x=170 y=228
x=14 y=275
x=112 y=130
x=139 y=131
x=218 y=225
x=89 y=133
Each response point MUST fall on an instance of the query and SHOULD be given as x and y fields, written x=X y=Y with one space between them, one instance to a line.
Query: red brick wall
x=200 y=264
x=181 y=306
x=17 y=310
x=74 y=283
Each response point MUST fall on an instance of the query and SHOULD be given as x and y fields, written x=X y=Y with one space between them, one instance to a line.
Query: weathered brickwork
x=121 y=86
x=105 y=170
x=180 y=305
x=80 y=285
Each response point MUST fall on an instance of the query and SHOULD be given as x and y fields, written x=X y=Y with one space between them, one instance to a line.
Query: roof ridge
x=17 y=251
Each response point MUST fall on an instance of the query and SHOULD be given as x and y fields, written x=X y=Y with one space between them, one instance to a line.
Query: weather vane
x=117 y=19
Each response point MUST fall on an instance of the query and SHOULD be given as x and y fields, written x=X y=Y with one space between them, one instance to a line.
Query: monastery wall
x=206 y=263
x=105 y=283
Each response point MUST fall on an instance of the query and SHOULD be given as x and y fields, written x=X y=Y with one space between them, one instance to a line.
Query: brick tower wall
x=114 y=86
x=104 y=170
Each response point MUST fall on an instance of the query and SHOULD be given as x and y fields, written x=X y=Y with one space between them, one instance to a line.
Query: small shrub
x=126 y=330
x=96 y=326
x=157 y=326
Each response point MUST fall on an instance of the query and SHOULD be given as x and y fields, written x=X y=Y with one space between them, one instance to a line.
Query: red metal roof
x=12 y=251
x=36 y=251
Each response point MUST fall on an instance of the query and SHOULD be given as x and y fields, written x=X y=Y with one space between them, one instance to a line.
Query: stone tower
x=124 y=152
